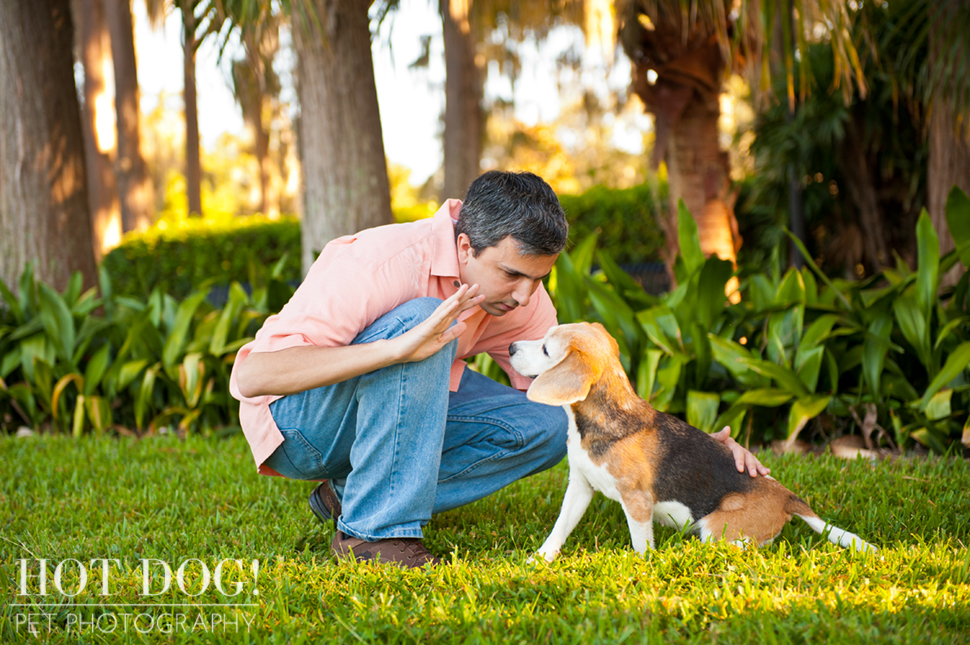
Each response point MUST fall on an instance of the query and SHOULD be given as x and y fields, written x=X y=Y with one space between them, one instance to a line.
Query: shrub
x=193 y=253
x=798 y=346
x=182 y=255
x=625 y=221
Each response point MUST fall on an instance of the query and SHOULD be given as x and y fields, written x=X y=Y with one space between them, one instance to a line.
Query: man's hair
x=520 y=204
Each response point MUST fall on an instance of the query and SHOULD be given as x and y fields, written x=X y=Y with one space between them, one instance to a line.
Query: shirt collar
x=444 y=262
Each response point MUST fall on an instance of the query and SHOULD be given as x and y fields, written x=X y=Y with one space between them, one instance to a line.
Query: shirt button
x=457 y=284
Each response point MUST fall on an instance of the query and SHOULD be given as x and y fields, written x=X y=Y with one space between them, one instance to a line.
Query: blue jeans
x=397 y=446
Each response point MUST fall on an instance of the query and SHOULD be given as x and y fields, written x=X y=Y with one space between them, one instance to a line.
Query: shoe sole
x=318 y=508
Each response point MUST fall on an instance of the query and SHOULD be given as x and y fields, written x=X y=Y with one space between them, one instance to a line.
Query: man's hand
x=742 y=458
x=437 y=331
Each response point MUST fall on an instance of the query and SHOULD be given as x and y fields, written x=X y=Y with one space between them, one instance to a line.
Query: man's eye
x=544 y=350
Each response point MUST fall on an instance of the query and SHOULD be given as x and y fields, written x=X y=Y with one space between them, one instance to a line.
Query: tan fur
x=759 y=515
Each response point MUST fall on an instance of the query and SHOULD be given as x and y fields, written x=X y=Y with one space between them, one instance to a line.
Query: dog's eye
x=544 y=350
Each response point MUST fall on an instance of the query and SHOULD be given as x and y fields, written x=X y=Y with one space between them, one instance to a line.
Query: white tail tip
x=838 y=536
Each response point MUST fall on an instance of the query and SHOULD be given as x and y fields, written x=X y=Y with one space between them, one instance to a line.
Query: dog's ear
x=565 y=382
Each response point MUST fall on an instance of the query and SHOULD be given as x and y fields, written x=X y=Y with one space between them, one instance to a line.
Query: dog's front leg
x=578 y=496
x=639 y=517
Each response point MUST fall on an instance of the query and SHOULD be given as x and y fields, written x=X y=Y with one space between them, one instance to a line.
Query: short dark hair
x=520 y=204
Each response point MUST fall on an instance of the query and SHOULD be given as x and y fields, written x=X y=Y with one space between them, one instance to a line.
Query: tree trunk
x=344 y=168
x=193 y=163
x=862 y=191
x=463 y=95
x=698 y=172
x=44 y=216
x=134 y=185
x=684 y=99
x=949 y=162
x=98 y=124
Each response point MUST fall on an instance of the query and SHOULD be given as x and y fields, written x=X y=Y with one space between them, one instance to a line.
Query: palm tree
x=94 y=50
x=682 y=51
x=131 y=173
x=930 y=54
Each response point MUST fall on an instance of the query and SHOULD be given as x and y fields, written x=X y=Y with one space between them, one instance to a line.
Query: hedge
x=179 y=258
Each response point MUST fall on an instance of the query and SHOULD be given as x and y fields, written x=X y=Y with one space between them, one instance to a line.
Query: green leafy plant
x=798 y=343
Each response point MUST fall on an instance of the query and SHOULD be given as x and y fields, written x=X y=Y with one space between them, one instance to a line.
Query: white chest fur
x=579 y=461
x=599 y=477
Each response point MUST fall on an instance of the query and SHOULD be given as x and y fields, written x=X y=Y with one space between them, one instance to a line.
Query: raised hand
x=437 y=331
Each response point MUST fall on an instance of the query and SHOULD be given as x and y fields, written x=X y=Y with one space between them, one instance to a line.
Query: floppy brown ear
x=565 y=382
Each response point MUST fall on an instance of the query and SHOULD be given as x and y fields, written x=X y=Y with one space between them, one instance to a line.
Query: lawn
x=201 y=500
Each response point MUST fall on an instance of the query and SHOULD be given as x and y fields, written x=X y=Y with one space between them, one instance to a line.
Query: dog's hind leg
x=578 y=496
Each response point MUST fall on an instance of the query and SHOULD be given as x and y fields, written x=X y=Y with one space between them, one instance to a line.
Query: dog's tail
x=834 y=534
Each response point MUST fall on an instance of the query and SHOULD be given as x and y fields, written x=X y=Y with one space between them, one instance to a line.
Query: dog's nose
x=512 y=349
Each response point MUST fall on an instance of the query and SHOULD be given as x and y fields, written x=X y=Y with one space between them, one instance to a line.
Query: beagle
x=655 y=465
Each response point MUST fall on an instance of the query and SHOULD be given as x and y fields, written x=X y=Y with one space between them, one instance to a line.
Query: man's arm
x=297 y=369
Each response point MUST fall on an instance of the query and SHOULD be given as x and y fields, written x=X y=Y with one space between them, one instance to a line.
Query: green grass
x=173 y=501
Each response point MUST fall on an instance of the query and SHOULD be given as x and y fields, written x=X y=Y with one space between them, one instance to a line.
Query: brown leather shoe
x=324 y=503
x=407 y=553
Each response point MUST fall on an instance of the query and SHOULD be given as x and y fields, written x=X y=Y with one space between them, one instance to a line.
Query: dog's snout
x=512 y=349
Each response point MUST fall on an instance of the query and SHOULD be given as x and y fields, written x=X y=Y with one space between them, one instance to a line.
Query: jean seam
x=373 y=537
x=519 y=439
x=478 y=464
x=308 y=447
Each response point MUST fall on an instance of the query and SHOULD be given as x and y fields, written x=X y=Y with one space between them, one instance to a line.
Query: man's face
x=506 y=278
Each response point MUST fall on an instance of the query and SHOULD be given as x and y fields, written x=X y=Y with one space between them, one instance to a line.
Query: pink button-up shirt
x=359 y=278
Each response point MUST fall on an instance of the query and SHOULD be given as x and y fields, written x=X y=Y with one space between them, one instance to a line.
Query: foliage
x=138 y=365
x=797 y=343
x=177 y=259
x=171 y=500
x=841 y=153
x=183 y=254
x=625 y=220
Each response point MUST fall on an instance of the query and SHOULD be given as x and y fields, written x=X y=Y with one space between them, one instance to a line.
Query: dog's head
x=566 y=363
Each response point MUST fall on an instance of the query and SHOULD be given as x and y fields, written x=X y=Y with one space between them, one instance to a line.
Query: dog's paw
x=546 y=554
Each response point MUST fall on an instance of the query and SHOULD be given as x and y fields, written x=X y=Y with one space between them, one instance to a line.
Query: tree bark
x=134 y=186
x=95 y=53
x=949 y=162
x=862 y=191
x=44 y=216
x=679 y=81
x=193 y=163
x=463 y=96
x=344 y=168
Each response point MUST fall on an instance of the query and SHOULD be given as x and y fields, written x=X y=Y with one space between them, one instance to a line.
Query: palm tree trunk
x=949 y=139
x=95 y=50
x=463 y=95
x=193 y=164
x=698 y=172
x=44 y=217
x=345 y=171
x=134 y=185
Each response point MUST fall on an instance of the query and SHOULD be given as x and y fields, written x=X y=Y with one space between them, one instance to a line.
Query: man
x=359 y=379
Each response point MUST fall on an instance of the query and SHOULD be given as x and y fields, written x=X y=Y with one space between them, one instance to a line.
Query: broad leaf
x=958 y=221
x=956 y=362
x=702 y=409
x=58 y=322
x=928 y=247
x=803 y=410
x=690 y=245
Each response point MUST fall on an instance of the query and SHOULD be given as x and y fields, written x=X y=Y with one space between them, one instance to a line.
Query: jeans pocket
x=295 y=458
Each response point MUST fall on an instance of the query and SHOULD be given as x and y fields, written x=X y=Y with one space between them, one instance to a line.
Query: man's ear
x=565 y=382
